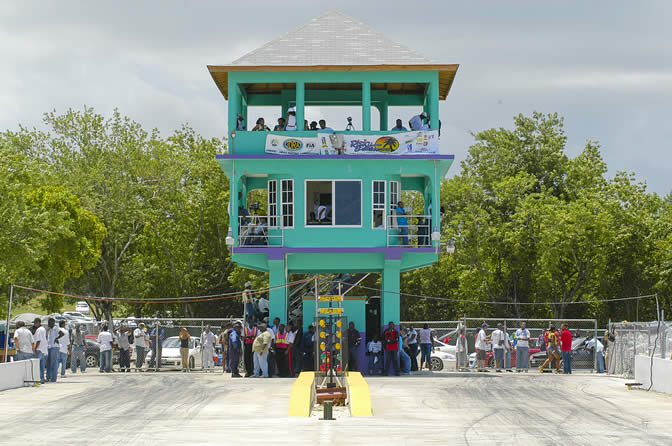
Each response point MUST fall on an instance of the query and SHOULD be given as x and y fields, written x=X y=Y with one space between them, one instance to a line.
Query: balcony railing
x=414 y=234
x=254 y=230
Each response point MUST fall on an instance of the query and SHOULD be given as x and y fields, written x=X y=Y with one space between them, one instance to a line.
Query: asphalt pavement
x=441 y=408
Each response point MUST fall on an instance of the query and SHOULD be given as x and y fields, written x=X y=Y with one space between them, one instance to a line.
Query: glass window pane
x=348 y=203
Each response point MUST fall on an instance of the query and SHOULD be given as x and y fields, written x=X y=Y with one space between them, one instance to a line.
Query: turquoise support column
x=433 y=102
x=234 y=100
x=391 y=300
x=366 y=106
x=277 y=279
x=384 y=117
x=300 y=103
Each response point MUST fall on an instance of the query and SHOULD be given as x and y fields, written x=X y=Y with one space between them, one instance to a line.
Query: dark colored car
x=582 y=358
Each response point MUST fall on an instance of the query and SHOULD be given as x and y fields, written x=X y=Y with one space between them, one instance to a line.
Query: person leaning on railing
x=402 y=223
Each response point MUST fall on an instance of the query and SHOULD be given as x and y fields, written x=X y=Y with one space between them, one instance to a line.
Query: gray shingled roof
x=332 y=39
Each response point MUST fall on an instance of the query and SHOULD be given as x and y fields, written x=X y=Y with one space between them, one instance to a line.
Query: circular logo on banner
x=293 y=145
x=387 y=144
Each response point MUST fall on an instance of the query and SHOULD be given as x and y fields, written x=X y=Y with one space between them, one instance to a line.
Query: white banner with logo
x=291 y=145
x=406 y=143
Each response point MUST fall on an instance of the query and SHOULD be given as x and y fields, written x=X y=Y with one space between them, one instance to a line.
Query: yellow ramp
x=301 y=398
x=359 y=395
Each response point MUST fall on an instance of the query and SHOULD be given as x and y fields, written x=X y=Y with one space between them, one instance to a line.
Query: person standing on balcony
x=240 y=122
x=399 y=127
x=261 y=126
x=262 y=308
x=417 y=122
x=291 y=119
x=402 y=223
x=391 y=339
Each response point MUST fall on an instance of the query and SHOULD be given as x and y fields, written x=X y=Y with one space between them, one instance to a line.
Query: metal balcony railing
x=254 y=230
x=415 y=234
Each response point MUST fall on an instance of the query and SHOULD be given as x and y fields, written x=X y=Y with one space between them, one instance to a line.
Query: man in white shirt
x=54 y=353
x=105 y=339
x=498 y=346
x=41 y=347
x=63 y=347
x=208 y=349
x=140 y=339
x=417 y=122
x=522 y=348
x=23 y=339
x=595 y=343
x=262 y=305
x=482 y=342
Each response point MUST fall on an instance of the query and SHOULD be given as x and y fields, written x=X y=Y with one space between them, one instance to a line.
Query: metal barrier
x=416 y=235
x=629 y=339
x=260 y=230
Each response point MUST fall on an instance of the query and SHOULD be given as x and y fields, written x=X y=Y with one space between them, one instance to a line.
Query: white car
x=82 y=307
x=443 y=356
x=77 y=316
x=170 y=353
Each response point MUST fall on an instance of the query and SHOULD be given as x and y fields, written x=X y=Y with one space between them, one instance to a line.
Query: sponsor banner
x=291 y=145
x=406 y=143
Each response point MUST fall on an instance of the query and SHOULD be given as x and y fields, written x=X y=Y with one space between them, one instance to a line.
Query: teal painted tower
x=332 y=195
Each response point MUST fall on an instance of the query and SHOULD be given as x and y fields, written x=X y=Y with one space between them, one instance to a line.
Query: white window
x=272 y=204
x=287 y=203
x=395 y=194
x=378 y=204
x=334 y=203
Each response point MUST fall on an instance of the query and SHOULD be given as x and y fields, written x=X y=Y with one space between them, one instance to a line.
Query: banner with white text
x=406 y=143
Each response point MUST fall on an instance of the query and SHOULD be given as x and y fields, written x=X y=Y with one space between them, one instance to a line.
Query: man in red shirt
x=391 y=342
x=566 y=339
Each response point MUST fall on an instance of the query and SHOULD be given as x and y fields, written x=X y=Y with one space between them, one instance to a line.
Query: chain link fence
x=626 y=340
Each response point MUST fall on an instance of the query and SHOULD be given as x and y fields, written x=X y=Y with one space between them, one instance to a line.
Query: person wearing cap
x=41 y=347
x=260 y=347
x=482 y=341
x=235 y=347
x=248 y=301
x=417 y=122
x=77 y=349
x=291 y=119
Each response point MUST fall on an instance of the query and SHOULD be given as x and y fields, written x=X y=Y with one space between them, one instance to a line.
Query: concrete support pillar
x=366 y=106
x=300 y=103
x=277 y=296
x=391 y=300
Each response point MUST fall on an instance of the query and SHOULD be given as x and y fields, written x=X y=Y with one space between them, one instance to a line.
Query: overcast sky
x=606 y=66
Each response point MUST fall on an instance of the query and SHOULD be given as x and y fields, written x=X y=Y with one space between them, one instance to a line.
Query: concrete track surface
x=444 y=408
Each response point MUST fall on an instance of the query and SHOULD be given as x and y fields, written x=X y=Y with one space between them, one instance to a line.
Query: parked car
x=170 y=353
x=78 y=316
x=582 y=358
x=82 y=307
x=443 y=356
